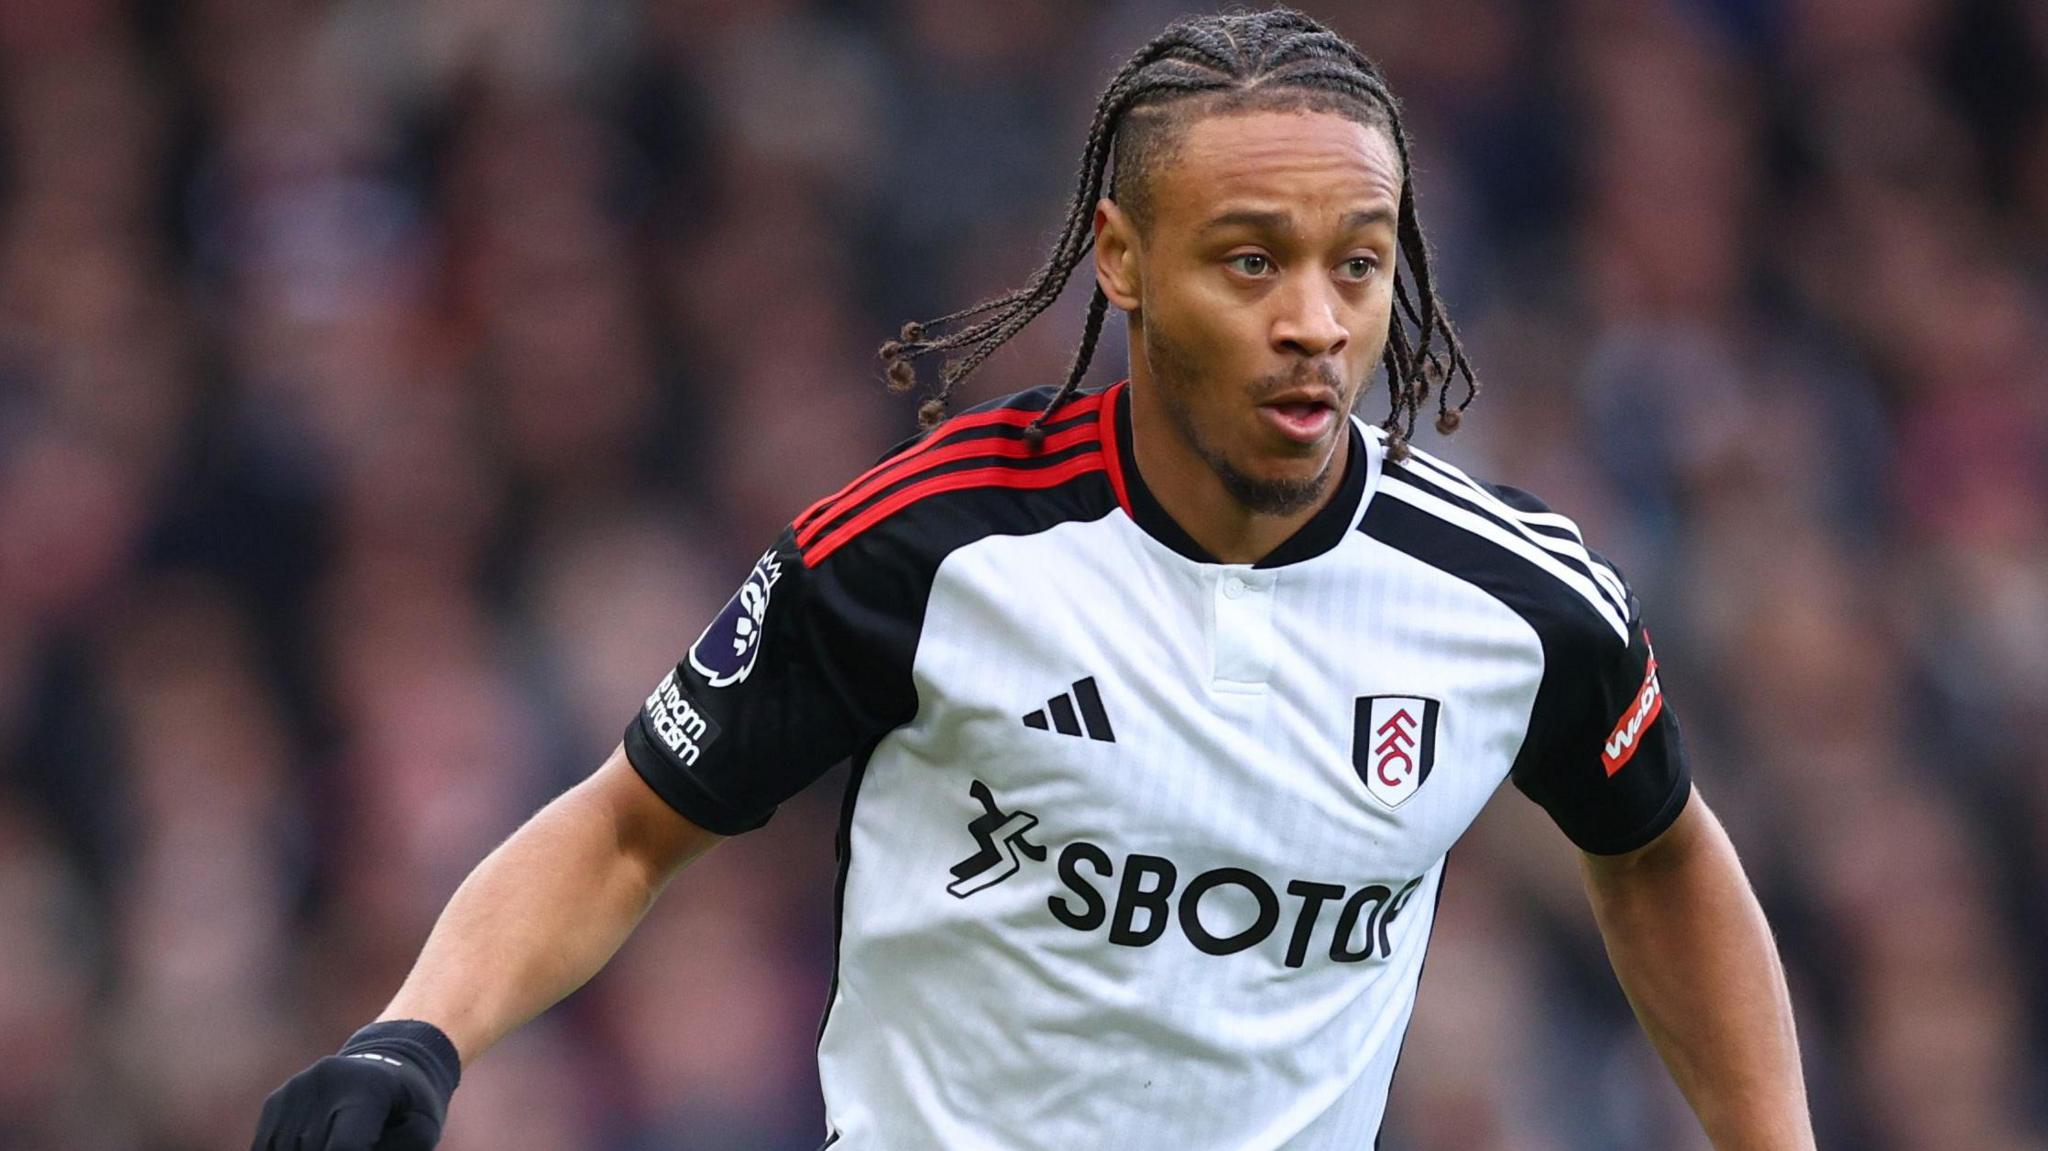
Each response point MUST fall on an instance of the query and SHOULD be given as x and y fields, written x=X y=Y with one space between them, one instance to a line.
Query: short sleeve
x=804 y=667
x=1603 y=754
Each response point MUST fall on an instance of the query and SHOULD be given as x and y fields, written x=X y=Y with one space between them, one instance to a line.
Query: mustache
x=1303 y=374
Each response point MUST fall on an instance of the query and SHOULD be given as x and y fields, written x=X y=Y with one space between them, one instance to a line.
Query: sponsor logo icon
x=1627 y=735
x=1137 y=899
x=1393 y=745
x=1000 y=835
x=724 y=655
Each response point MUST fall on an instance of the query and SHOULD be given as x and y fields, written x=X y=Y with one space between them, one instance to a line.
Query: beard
x=1173 y=373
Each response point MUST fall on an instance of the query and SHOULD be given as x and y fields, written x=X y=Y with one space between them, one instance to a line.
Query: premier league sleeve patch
x=1393 y=745
x=724 y=655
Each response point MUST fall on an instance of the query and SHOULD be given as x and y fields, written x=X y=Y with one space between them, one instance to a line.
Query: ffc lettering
x=1393 y=751
x=1393 y=744
x=1627 y=735
x=724 y=655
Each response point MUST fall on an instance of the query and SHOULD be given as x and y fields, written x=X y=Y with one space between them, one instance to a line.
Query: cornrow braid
x=1275 y=58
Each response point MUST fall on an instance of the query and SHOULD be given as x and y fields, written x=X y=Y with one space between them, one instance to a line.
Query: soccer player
x=1165 y=701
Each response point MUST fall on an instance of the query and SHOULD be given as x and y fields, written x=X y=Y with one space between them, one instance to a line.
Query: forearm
x=1695 y=956
x=541 y=914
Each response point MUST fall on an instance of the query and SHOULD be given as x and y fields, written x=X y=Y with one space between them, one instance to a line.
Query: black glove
x=386 y=1090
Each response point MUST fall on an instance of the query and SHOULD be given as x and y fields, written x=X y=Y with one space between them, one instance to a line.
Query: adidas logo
x=1072 y=709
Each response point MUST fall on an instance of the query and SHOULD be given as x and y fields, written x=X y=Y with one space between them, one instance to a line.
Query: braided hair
x=1272 y=60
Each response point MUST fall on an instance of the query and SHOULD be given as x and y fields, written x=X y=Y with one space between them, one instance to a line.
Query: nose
x=1309 y=323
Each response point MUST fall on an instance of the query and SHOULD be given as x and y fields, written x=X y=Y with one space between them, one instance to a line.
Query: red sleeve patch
x=1626 y=737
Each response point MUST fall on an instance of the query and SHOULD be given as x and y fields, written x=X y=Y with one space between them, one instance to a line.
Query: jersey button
x=1233 y=587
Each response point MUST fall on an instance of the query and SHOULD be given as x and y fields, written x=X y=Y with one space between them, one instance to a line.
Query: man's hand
x=535 y=919
x=387 y=1090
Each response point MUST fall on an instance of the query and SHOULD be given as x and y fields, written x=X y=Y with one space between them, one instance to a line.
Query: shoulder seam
x=994 y=475
x=1007 y=426
x=1539 y=528
x=996 y=452
x=1400 y=487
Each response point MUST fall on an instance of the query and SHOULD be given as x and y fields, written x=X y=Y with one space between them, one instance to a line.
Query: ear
x=1116 y=255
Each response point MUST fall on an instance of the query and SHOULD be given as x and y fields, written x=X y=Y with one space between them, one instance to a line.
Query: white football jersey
x=1142 y=849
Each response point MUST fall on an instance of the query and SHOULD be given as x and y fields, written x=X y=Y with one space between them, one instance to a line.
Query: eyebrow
x=1272 y=221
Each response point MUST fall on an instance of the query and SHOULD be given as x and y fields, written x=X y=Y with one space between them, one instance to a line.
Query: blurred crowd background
x=390 y=391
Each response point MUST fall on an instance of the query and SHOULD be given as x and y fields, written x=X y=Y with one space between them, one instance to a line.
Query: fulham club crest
x=1393 y=744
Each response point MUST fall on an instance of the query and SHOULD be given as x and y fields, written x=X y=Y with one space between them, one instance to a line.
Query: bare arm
x=543 y=912
x=1695 y=956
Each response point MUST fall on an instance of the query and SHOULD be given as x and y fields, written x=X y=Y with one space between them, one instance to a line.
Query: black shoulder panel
x=810 y=661
x=1602 y=753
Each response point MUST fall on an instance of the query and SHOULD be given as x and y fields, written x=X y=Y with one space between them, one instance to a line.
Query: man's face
x=1263 y=285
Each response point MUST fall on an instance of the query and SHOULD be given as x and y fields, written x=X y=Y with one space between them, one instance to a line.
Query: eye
x=1358 y=268
x=1253 y=264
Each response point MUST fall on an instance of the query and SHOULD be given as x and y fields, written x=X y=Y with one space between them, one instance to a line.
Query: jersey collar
x=1321 y=533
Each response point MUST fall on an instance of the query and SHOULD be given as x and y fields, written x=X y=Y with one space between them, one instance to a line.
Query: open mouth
x=1304 y=421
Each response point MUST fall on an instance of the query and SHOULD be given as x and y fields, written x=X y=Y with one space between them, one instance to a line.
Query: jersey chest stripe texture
x=995 y=477
x=1016 y=449
x=999 y=422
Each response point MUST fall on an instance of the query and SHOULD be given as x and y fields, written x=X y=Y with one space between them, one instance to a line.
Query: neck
x=1190 y=491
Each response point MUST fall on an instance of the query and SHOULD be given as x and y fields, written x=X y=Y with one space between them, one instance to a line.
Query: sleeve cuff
x=428 y=1046
x=1667 y=814
x=681 y=791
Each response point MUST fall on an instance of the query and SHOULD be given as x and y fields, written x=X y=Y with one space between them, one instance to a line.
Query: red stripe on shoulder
x=903 y=463
x=991 y=449
x=992 y=477
x=1112 y=449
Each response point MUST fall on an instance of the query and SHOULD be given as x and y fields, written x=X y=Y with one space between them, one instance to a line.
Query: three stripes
x=1547 y=540
x=1091 y=718
x=976 y=450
